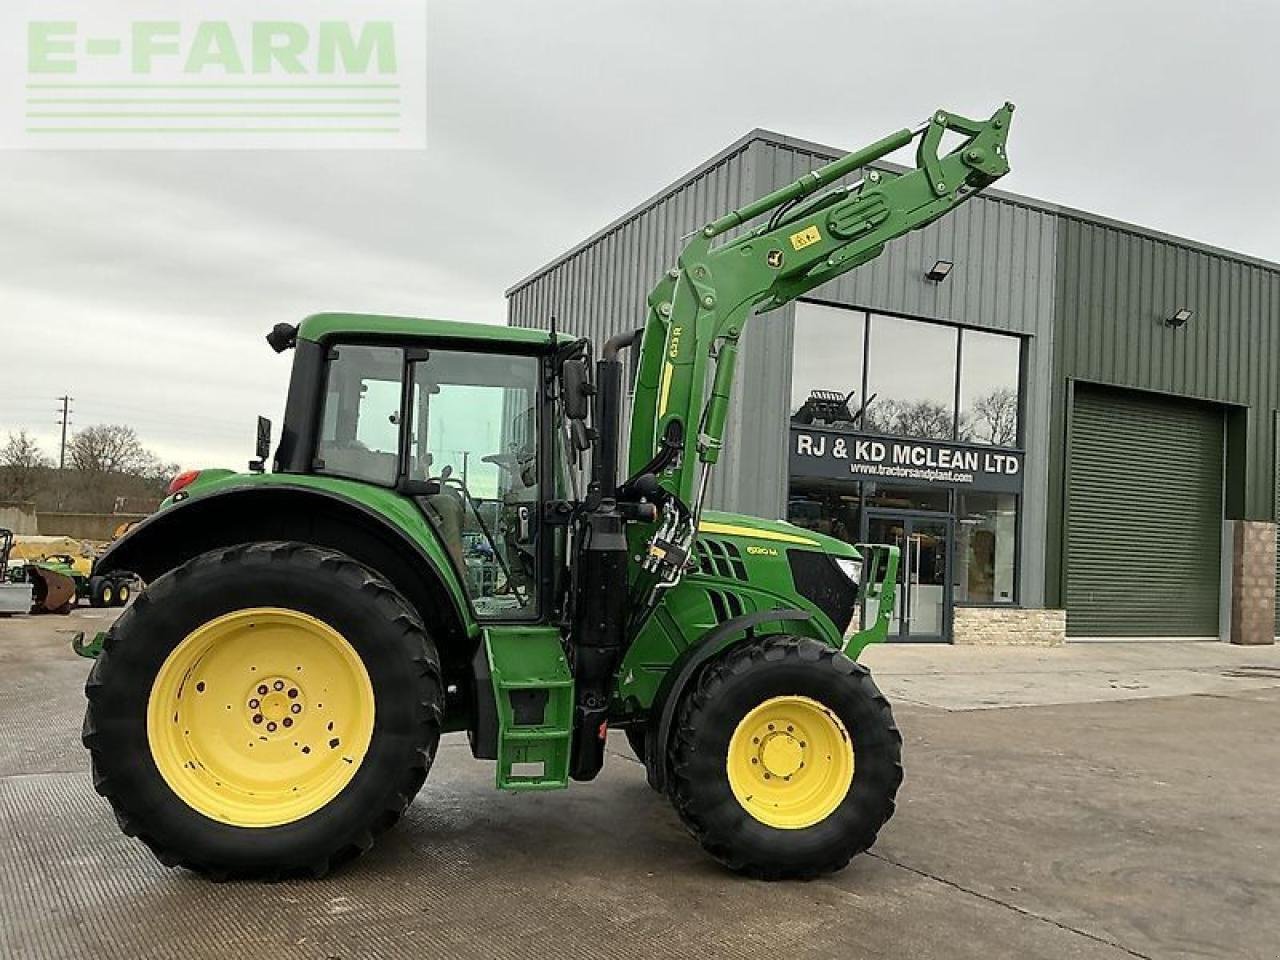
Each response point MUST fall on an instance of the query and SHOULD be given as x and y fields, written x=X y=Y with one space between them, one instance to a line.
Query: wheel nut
x=287 y=721
x=253 y=704
x=262 y=689
x=296 y=708
x=293 y=694
x=257 y=718
x=279 y=684
x=271 y=727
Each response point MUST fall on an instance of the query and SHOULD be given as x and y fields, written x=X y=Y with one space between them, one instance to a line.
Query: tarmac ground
x=1092 y=801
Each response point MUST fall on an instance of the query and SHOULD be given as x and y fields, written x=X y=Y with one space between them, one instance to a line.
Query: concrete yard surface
x=972 y=678
x=1128 y=812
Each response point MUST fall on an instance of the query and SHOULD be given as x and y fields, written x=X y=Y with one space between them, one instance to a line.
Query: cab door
x=474 y=439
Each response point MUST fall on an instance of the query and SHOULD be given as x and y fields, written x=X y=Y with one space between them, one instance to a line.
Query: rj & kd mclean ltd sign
x=837 y=455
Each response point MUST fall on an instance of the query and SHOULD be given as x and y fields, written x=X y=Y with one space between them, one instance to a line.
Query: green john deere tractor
x=446 y=542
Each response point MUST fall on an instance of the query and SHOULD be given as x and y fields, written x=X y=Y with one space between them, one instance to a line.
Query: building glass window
x=902 y=497
x=986 y=547
x=911 y=378
x=827 y=358
x=825 y=507
x=989 y=375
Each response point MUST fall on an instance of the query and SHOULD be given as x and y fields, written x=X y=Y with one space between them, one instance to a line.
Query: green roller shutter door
x=1144 y=515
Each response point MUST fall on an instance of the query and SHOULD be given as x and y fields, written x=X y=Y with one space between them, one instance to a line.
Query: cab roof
x=322 y=326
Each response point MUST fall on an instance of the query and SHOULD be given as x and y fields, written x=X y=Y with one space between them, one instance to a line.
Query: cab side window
x=360 y=423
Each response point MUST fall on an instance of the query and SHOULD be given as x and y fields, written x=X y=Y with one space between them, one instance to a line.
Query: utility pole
x=64 y=418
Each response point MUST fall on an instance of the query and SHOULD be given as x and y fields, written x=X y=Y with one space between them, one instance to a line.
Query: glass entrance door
x=924 y=586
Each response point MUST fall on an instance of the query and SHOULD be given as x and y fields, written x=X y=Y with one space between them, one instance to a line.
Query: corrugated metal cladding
x=1003 y=248
x=1116 y=286
x=1144 y=508
x=599 y=288
x=1117 y=290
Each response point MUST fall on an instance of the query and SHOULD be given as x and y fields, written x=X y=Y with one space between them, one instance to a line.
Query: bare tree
x=911 y=418
x=22 y=465
x=994 y=419
x=111 y=448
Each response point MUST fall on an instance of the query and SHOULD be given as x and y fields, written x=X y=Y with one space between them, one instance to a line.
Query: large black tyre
x=124 y=590
x=636 y=741
x=403 y=673
x=710 y=712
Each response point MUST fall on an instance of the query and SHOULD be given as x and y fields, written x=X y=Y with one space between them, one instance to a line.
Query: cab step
x=533 y=692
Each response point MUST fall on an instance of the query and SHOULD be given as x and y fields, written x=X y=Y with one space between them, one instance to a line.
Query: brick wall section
x=1253 y=582
x=1006 y=626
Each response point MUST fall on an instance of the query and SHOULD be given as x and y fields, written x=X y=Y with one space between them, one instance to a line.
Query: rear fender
x=415 y=565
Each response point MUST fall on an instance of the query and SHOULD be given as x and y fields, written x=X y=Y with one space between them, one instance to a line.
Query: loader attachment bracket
x=879 y=586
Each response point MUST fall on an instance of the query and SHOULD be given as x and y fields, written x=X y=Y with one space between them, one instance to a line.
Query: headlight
x=850 y=568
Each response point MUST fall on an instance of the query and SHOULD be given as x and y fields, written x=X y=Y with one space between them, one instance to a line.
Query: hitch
x=91 y=648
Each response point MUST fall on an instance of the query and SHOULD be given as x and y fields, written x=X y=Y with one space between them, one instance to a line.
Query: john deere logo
x=774 y=258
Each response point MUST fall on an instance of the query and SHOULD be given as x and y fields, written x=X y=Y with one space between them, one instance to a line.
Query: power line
x=63 y=420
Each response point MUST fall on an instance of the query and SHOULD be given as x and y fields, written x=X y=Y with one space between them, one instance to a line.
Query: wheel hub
x=275 y=705
x=781 y=754
x=790 y=762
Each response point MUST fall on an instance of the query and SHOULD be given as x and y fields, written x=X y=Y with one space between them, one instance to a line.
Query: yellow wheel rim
x=790 y=762
x=260 y=717
x=107 y=596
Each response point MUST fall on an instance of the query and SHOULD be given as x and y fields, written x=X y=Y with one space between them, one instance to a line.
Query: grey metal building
x=1045 y=408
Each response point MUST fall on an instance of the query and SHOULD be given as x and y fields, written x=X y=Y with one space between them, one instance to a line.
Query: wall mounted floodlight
x=938 y=272
x=1180 y=318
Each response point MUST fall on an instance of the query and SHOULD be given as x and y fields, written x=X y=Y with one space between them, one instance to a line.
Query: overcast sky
x=142 y=283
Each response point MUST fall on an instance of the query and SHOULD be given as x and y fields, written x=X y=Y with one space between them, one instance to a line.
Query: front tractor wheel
x=263 y=711
x=785 y=760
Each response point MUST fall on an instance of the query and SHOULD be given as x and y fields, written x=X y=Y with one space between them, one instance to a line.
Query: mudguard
x=711 y=645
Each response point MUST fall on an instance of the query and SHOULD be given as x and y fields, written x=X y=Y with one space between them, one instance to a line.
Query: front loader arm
x=698 y=311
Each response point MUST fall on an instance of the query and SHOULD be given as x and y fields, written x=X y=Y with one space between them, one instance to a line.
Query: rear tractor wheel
x=263 y=711
x=785 y=760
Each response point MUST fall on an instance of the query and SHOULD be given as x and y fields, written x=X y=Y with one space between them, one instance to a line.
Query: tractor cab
x=456 y=430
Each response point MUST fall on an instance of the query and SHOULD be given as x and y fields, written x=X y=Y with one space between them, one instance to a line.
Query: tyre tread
x=738 y=662
x=413 y=635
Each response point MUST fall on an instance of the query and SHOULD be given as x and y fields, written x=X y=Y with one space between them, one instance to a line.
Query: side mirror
x=263 y=448
x=581 y=436
x=575 y=378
